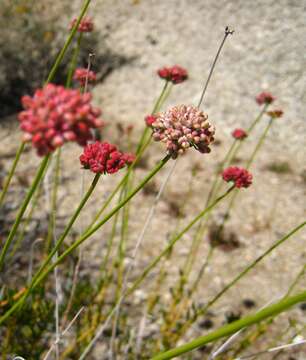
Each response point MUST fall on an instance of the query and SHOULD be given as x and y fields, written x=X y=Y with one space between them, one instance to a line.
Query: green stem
x=250 y=267
x=175 y=239
x=23 y=208
x=52 y=215
x=161 y=98
x=142 y=146
x=87 y=234
x=11 y=173
x=232 y=328
x=216 y=186
x=248 y=165
x=118 y=187
x=49 y=78
x=74 y=60
x=26 y=222
x=39 y=277
x=67 y=43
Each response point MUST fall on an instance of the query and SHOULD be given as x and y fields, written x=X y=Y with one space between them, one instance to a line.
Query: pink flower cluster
x=240 y=176
x=277 y=113
x=182 y=127
x=55 y=115
x=86 y=25
x=81 y=74
x=239 y=134
x=103 y=158
x=150 y=119
x=264 y=98
x=176 y=74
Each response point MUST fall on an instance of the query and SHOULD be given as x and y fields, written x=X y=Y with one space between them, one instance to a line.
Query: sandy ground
x=265 y=53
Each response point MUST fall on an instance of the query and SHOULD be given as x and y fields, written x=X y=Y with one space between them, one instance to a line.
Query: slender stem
x=142 y=146
x=68 y=42
x=74 y=60
x=175 y=239
x=49 y=78
x=248 y=165
x=34 y=281
x=87 y=234
x=146 y=271
x=39 y=277
x=11 y=173
x=226 y=33
x=52 y=215
x=26 y=222
x=232 y=328
x=250 y=267
x=68 y=227
x=23 y=208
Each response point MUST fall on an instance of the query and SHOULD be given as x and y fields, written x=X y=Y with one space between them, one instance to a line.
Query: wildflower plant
x=94 y=305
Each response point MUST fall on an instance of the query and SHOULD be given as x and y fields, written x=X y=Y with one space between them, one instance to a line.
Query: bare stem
x=226 y=33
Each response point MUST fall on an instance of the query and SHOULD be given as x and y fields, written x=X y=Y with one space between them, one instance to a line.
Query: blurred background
x=131 y=41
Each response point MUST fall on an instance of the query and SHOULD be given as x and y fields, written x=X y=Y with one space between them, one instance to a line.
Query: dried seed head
x=277 y=113
x=265 y=98
x=182 y=127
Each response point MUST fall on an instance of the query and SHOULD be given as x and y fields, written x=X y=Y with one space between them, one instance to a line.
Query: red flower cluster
x=81 y=74
x=150 y=119
x=103 y=158
x=239 y=134
x=264 y=98
x=275 y=113
x=55 y=115
x=241 y=177
x=176 y=74
x=86 y=25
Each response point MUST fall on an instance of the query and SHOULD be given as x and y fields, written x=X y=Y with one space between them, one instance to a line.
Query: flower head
x=150 y=119
x=82 y=74
x=264 y=98
x=182 y=127
x=240 y=176
x=277 y=113
x=55 y=115
x=103 y=158
x=239 y=134
x=176 y=74
x=86 y=25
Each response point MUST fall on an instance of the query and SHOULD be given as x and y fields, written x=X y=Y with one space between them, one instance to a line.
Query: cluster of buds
x=240 y=176
x=182 y=127
x=150 y=119
x=277 y=113
x=239 y=134
x=55 y=115
x=265 y=98
x=176 y=74
x=102 y=158
x=83 y=75
x=85 y=25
